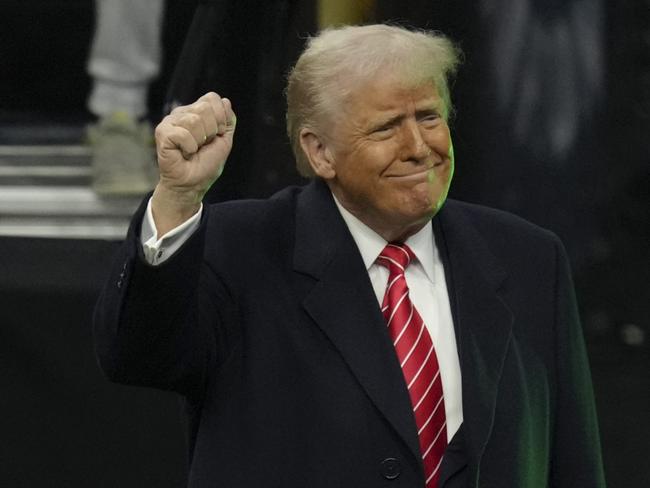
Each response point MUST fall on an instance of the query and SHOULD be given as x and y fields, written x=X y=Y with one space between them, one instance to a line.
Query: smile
x=418 y=174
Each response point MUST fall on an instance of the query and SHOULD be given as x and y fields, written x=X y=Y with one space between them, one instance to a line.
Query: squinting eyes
x=430 y=118
x=387 y=130
x=430 y=121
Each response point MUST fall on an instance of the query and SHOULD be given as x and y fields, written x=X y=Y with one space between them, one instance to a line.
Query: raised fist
x=193 y=143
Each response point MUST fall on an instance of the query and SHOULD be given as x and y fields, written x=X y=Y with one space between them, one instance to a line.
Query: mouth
x=420 y=173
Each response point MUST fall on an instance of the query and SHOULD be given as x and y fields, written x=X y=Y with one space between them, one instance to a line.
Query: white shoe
x=123 y=156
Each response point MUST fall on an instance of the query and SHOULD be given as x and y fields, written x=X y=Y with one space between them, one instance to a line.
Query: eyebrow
x=395 y=120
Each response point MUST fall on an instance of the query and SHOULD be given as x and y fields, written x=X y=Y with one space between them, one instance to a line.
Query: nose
x=413 y=147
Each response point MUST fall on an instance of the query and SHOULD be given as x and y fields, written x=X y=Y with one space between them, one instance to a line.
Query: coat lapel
x=344 y=306
x=483 y=324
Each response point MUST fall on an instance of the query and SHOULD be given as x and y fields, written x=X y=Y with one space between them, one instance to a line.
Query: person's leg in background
x=124 y=59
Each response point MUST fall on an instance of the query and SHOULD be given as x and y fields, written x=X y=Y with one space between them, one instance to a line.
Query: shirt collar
x=371 y=244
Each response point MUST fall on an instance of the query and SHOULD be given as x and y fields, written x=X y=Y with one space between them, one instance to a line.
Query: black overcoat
x=267 y=324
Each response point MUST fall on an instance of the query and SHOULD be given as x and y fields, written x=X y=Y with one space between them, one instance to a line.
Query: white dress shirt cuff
x=158 y=249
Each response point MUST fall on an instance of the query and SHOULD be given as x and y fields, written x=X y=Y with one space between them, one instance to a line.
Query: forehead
x=388 y=94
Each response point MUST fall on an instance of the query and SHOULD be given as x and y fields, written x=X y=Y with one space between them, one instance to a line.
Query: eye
x=384 y=130
x=430 y=121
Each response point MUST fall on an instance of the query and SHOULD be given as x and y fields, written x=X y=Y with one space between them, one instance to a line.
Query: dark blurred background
x=552 y=123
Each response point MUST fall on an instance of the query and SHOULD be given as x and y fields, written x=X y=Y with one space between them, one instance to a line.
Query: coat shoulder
x=261 y=231
x=513 y=241
x=499 y=225
x=254 y=216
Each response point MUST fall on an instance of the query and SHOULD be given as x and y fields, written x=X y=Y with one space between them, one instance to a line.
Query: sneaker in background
x=123 y=156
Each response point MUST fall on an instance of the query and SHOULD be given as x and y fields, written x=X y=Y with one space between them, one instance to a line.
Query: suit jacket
x=266 y=322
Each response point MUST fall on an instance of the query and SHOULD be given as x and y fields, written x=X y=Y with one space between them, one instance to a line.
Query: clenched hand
x=193 y=143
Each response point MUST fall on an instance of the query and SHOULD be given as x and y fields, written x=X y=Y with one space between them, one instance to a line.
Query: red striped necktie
x=418 y=360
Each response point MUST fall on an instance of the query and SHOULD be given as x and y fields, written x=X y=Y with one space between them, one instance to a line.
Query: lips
x=420 y=172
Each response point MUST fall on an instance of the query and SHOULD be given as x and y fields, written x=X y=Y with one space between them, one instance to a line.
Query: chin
x=426 y=202
x=418 y=215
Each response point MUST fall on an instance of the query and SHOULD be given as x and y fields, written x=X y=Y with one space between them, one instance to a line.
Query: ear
x=318 y=153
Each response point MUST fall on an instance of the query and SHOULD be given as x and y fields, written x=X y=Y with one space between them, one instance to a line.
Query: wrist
x=170 y=208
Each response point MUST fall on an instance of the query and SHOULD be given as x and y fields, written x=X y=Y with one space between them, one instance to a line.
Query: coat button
x=390 y=468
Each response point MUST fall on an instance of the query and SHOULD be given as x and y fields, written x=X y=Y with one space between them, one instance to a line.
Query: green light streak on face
x=451 y=156
x=443 y=195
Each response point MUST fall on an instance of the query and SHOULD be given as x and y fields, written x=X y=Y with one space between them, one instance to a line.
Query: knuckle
x=204 y=107
x=161 y=130
x=190 y=119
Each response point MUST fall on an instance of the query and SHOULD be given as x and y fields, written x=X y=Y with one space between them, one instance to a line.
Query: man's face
x=392 y=156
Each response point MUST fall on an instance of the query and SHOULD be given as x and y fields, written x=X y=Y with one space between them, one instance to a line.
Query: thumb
x=231 y=118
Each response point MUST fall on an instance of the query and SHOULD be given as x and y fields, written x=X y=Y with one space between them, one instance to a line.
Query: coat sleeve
x=576 y=455
x=156 y=325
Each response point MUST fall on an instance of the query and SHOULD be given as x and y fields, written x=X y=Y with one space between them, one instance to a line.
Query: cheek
x=433 y=193
x=440 y=141
x=442 y=176
x=441 y=184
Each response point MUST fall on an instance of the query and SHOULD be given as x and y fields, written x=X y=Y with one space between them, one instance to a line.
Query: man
x=359 y=331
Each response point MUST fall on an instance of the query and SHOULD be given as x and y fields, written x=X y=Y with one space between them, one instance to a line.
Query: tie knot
x=396 y=257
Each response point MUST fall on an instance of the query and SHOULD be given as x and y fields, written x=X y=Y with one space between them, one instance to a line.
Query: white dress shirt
x=158 y=249
x=425 y=278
